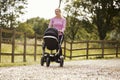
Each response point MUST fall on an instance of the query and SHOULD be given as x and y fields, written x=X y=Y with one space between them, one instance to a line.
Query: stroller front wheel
x=61 y=62
x=47 y=61
x=42 y=61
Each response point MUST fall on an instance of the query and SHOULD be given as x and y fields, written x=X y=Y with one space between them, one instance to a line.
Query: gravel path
x=72 y=70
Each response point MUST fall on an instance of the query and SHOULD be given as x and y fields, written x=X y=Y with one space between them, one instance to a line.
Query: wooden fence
x=69 y=48
x=12 y=41
x=106 y=47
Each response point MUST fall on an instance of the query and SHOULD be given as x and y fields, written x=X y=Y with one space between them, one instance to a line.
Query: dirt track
x=72 y=70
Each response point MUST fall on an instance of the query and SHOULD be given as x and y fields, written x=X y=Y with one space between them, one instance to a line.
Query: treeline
x=33 y=25
x=86 y=20
x=93 y=19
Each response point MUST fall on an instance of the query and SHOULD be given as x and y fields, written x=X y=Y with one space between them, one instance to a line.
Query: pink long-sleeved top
x=58 y=23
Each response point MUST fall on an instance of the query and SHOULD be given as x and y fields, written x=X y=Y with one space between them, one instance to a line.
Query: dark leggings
x=61 y=37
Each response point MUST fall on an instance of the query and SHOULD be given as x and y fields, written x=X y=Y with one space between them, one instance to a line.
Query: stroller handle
x=61 y=39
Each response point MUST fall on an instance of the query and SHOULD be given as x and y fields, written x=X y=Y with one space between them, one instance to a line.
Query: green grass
x=6 y=61
x=7 y=48
x=18 y=64
x=19 y=49
x=93 y=51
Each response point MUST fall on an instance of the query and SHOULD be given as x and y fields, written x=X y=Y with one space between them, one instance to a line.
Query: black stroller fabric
x=51 y=39
x=51 y=32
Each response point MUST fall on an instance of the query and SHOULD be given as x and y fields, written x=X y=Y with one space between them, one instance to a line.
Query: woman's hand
x=60 y=32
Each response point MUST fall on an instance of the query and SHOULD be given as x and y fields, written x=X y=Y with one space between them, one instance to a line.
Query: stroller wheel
x=61 y=62
x=42 y=61
x=47 y=61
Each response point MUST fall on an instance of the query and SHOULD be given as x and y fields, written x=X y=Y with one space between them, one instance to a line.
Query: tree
x=38 y=24
x=59 y=3
x=10 y=10
x=78 y=25
x=115 y=34
x=102 y=13
x=73 y=27
x=25 y=28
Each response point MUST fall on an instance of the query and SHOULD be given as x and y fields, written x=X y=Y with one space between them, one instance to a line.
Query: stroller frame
x=51 y=57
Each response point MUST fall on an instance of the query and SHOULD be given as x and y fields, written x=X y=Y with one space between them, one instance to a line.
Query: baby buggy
x=51 y=42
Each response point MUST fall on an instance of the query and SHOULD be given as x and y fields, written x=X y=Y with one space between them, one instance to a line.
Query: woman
x=58 y=22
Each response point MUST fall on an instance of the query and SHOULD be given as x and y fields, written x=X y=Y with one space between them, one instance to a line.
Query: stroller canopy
x=51 y=32
x=51 y=38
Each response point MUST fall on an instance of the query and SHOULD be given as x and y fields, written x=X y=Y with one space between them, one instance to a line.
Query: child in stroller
x=51 y=42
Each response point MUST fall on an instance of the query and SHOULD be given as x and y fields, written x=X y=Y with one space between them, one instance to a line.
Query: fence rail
x=12 y=41
x=69 y=48
x=103 y=45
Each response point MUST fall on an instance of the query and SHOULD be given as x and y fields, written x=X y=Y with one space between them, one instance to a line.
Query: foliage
x=10 y=10
x=102 y=15
x=38 y=24
x=34 y=25
x=115 y=34
x=104 y=12
x=25 y=28
x=72 y=28
x=78 y=26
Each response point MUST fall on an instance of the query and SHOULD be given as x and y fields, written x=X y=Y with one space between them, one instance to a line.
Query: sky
x=40 y=8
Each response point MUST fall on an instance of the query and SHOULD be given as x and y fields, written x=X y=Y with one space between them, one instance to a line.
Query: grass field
x=7 y=48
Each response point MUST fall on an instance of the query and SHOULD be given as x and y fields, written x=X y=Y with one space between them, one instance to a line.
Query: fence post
x=87 y=49
x=0 y=43
x=35 y=47
x=71 y=50
x=102 y=46
x=64 y=49
x=117 y=49
x=13 y=46
x=24 y=54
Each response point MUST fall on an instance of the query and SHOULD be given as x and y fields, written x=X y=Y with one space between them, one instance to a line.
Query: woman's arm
x=50 y=23
x=64 y=25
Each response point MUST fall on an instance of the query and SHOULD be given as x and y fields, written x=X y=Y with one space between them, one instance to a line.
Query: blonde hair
x=58 y=9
